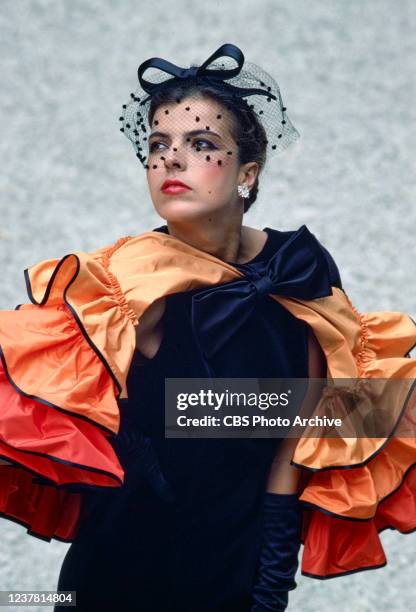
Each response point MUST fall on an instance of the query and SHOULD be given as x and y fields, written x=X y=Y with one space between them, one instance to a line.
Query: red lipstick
x=173 y=186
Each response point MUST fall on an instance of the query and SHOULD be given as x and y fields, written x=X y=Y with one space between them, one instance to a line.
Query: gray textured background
x=70 y=180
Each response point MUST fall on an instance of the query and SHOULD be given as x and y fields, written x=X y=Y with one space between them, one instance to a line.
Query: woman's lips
x=173 y=189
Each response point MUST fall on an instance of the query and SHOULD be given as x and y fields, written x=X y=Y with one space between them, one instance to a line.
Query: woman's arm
x=282 y=513
x=284 y=477
x=149 y=331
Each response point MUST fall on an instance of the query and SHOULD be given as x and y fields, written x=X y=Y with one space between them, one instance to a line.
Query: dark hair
x=246 y=129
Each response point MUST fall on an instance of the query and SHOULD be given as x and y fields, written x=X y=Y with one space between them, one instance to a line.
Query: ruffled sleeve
x=64 y=363
x=355 y=487
x=64 y=360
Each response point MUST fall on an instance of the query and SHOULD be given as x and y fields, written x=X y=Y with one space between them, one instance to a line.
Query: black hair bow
x=200 y=72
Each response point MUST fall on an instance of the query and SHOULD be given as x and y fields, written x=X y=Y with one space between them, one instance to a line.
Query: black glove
x=139 y=460
x=103 y=510
x=278 y=560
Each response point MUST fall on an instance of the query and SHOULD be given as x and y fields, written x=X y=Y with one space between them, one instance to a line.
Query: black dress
x=198 y=553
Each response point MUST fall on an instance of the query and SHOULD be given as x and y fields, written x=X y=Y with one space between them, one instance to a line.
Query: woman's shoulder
x=257 y=240
x=279 y=237
x=271 y=233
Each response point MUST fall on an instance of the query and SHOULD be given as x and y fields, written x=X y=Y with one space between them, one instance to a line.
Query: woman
x=203 y=544
x=198 y=524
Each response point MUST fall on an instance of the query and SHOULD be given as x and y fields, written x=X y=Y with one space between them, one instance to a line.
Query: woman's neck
x=234 y=245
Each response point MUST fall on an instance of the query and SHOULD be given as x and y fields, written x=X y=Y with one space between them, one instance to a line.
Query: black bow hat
x=232 y=76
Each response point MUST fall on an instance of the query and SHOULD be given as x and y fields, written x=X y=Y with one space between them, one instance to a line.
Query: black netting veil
x=165 y=95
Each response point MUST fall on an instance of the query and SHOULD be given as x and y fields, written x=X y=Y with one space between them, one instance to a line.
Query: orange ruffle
x=46 y=356
x=58 y=394
x=65 y=362
x=358 y=486
x=58 y=446
x=335 y=547
x=39 y=438
x=81 y=284
x=107 y=292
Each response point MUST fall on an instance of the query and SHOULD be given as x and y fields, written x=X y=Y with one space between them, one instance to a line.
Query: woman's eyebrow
x=191 y=133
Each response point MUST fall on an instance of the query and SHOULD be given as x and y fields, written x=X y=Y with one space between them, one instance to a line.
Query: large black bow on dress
x=200 y=72
x=298 y=269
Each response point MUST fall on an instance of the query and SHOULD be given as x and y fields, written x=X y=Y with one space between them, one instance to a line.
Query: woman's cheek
x=212 y=172
x=154 y=182
x=214 y=180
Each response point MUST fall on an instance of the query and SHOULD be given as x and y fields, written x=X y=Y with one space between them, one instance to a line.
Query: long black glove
x=105 y=509
x=278 y=560
x=139 y=460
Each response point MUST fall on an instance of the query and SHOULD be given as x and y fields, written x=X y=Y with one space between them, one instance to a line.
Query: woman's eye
x=210 y=145
x=195 y=142
x=153 y=144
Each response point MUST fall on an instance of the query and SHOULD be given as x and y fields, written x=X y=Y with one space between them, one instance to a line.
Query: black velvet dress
x=198 y=553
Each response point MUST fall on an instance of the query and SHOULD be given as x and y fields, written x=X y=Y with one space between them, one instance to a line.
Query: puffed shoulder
x=334 y=273
x=283 y=237
x=59 y=384
x=65 y=357
x=356 y=486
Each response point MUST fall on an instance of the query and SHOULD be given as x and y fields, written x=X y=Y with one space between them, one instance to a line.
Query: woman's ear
x=248 y=174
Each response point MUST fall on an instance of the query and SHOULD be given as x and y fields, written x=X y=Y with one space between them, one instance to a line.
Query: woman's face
x=192 y=143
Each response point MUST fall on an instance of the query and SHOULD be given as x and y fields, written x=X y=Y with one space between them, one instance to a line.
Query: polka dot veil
x=188 y=115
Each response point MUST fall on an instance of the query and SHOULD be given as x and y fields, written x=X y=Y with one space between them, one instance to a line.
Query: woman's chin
x=182 y=211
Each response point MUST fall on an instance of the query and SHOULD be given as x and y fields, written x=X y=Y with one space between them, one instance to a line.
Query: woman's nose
x=173 y=158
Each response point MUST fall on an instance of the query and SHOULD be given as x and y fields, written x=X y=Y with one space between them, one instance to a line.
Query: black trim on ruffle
x=391 y=527
x=339 y=574
x=362 y=463
x=414 y=345
x=17 y=464
x=46 y=403
x=310 y=505
x=34 y=533
x=65 y=487
x=72 y=310
x=75 y=487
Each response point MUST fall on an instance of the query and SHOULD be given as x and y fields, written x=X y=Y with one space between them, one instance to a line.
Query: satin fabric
x=66 y=358
x=298 y=269
x=200 y=551
x=278 y=559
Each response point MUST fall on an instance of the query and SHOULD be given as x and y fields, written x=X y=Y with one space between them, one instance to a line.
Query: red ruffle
x=46 y=512
x=42 y=441
x=336 y=546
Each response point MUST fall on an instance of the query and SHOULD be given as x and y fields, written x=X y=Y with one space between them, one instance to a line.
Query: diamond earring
x=243 y=191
